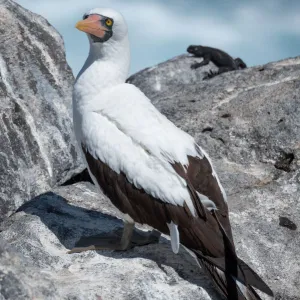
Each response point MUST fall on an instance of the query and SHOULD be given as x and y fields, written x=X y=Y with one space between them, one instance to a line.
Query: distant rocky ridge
x=248 y=122
x=37 y=148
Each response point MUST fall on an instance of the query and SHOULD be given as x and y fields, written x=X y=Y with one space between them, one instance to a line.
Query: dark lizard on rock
x=220 y=58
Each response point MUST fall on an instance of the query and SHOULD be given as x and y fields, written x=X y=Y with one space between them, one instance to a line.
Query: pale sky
x=258 y=31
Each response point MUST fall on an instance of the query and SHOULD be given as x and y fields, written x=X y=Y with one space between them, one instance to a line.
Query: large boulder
x=37 y=149
x=248 y=121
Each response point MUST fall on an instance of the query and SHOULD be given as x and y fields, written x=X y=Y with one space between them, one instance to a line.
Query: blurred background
x=259 y=31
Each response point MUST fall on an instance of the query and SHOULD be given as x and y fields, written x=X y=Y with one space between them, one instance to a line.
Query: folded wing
x=156 y=173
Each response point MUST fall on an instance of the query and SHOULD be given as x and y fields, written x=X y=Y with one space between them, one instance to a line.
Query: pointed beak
x=92 y=25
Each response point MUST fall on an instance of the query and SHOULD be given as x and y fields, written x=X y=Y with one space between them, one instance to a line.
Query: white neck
x=107 y=65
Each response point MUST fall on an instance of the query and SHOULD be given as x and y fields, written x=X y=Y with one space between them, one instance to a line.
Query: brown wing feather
x=199 y=177
x=206 y=237
x=195 y=232
x=199 y=207
x=200 y=174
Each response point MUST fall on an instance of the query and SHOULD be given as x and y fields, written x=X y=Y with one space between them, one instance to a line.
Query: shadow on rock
x=69 y=223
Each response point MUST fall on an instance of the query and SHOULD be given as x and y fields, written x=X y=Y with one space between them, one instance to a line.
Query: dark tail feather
x=253 y=279
x=234 y=266
x=244 y=273
x=254 y=292
x=233 y=277
x=230 y=287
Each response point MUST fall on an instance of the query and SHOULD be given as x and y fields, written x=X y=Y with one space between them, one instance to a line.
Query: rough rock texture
x=248 y=121
x=46 y=227
x=37 y=146
x=20 y=281
x=157 y=81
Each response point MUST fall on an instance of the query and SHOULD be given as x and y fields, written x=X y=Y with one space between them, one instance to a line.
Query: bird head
x=102 y=25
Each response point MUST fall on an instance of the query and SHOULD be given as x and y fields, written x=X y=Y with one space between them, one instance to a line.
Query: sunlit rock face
x=248 y=122
x=37 y=148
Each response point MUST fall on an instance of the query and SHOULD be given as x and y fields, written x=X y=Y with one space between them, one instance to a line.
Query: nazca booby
x=151 y=170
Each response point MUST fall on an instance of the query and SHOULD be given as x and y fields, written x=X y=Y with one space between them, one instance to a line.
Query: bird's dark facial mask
x=97 y=26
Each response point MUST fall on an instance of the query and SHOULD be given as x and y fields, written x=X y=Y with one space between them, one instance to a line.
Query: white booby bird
x=151 y=170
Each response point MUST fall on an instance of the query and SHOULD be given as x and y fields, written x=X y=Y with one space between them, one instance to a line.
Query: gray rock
x=19 y=280
x=47 y=226
x=248 y=122
x=37 y=145
x=170 y=75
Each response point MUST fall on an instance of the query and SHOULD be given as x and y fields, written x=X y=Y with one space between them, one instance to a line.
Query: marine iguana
x=220 y=58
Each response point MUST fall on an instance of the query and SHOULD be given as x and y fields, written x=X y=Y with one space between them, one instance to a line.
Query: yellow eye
x=108 y=22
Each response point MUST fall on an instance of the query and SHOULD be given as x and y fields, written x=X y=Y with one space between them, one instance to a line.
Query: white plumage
x=118 y=124
x=134 y=152
x=123 y=129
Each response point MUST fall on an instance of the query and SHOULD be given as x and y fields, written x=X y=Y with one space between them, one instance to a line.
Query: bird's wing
x=125 y=135
x=157 y=174
x=128 y=112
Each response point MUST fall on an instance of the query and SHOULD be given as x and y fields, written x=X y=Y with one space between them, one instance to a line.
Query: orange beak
x=92 y=25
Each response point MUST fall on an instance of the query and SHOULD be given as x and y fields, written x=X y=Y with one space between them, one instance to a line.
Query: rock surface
x=248 y=121
x=46 y=227
x=171 y=75
x=20 y=281
x=37 y=145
